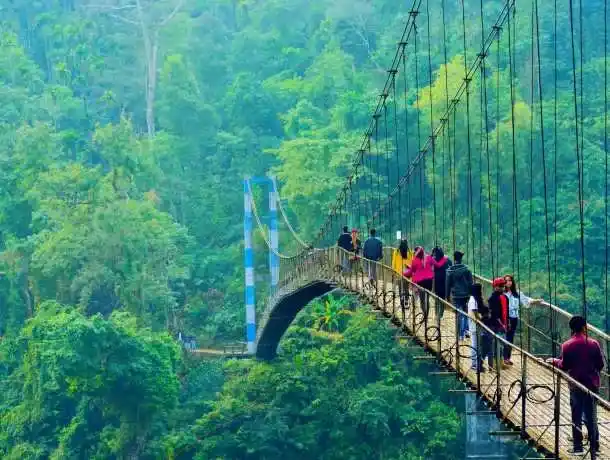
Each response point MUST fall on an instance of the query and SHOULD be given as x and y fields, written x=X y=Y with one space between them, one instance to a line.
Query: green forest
x=126 y=130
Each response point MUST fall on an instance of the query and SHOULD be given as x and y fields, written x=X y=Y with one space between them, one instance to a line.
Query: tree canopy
x=126 y=130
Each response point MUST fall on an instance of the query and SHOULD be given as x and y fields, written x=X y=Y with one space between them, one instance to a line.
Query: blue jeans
x=462 y=305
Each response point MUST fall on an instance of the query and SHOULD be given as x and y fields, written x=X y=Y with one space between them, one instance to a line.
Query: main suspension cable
x=261 y=230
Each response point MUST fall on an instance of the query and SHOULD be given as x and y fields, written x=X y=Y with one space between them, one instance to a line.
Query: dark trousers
x=585 y=405
x=403 y=287
x=484 y=351
x=510 y=336
x=440 y=306
x=424 y=298
x=462 y=305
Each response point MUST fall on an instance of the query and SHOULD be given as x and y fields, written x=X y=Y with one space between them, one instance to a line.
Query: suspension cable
x=396 y=146
x=515 y=226
x=388 y=156
x=448 y=137
x=467 y=80
x=531 y=156
x=453 y=169
x=515 y=246
x=503 y=15
x=544 y=172
x=408 y=155
x=556 y=149
x=285 y=217
x=261 y=230
x=498 y=133
x=406 y=35
x=432 y=135
x=579 y=164
x=377 y=169
x=486 y=129
x=418 y=111
x=606 y=198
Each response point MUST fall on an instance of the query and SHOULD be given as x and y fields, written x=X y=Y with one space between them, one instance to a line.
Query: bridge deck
x=219 y=353
x=541 y=385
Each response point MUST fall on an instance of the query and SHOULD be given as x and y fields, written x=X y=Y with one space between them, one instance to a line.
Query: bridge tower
x=274 y=261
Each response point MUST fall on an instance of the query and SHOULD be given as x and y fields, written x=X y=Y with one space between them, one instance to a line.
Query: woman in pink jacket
x=421 y=273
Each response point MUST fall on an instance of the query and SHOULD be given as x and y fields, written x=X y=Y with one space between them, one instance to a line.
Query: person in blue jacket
x=373 y=251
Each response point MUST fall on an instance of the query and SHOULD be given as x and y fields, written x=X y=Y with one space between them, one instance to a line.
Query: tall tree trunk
x=24 y=285
x=150 y=56
x=151 y=89
x=150 y=39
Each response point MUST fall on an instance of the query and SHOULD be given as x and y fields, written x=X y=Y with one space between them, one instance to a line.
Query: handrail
x=544 y=303
x=563 y=312
x=514 y=394
x=554 y=369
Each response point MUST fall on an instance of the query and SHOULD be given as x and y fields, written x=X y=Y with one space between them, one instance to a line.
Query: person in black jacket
x=459 y=286
x=441 y=265
x=345 y=242
x=373 y=250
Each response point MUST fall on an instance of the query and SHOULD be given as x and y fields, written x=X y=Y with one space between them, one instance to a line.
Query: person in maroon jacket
x=581 y=357
x=498 y=308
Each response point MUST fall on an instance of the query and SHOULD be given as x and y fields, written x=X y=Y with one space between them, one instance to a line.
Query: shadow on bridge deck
x=284 y=312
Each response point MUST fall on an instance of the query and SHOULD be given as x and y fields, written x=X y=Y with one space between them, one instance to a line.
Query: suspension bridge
x=490 y=136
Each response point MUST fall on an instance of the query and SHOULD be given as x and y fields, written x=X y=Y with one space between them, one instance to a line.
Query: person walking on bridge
x=355 y=249
x=516 y=300
x=422 y=274
x=373 y=251
x=498 y=307
x=356 y=243
x=402 y=257
x=441 y=265
x=459 y=287
x=477 y=310
x=401 y=262
x=581 y=357
x=345 y=243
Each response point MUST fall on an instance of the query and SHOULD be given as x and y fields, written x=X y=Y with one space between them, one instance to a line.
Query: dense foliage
x=126 y=128
x=347 y=394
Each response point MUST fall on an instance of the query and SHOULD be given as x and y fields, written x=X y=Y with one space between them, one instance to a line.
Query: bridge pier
x=480 y=422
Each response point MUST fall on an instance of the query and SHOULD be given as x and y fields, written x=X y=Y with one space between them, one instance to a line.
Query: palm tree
x=328 y=313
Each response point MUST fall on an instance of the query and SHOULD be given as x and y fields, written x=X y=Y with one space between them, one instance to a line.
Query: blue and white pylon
x=274 y=260
x=249 y=268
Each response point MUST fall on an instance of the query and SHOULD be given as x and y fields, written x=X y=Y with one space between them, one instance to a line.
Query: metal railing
x=547 y=327
x=531 y=395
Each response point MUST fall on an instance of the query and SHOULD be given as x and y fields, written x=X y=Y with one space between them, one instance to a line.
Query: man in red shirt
x=581 y=357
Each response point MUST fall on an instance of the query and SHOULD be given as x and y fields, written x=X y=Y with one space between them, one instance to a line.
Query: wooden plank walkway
x=541 y=384
x=219 y=353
